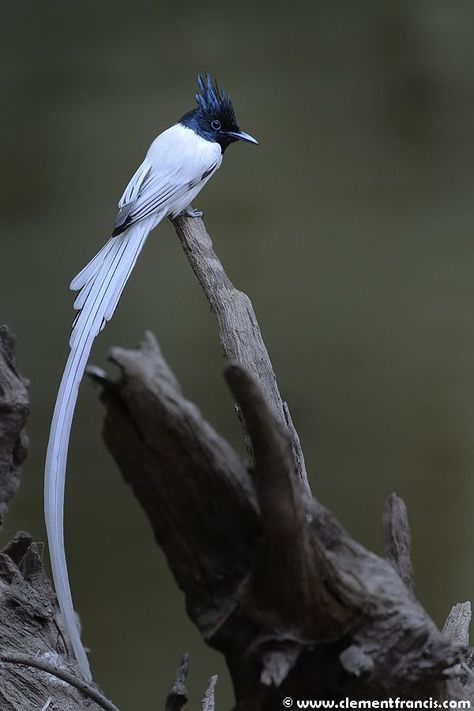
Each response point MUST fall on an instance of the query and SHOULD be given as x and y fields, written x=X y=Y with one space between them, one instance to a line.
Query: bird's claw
x=191 y=212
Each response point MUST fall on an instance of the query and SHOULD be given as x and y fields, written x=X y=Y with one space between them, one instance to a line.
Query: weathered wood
x=37 y=670
x=35 y=660
x=61 y=675
x=271 y=579
x=178 y=695
x=286 y=549
x=238 y=328
x=190 y=481
x=14 y=409
x=208 y=703
x=397 y=538
x=456 y=627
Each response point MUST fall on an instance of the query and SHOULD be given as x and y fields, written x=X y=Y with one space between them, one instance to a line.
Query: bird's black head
x=214 y=119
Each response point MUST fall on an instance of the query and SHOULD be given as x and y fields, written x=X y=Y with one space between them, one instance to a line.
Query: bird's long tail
x=100 y=285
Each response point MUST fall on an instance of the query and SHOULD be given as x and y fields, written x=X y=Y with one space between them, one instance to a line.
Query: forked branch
x=271 y=578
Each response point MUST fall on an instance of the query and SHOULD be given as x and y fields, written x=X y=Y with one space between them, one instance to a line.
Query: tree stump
x=271 y=579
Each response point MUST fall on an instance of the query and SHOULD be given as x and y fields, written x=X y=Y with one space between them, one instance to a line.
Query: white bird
x=177 y=166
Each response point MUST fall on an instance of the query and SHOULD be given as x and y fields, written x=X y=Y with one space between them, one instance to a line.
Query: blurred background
x=350 y=227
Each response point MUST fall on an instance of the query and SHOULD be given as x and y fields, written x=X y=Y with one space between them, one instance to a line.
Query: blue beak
x=242 y=136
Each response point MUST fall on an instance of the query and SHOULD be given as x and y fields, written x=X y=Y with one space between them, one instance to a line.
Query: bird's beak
x=242 y=136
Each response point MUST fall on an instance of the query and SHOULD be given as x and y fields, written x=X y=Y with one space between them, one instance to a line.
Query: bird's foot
x=191 y=212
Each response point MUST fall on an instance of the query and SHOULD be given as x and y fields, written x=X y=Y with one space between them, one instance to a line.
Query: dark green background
x=350 y=227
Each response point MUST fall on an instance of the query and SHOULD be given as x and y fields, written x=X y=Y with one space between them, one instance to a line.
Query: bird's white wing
x=174 y=170
x=86 y=274
x=131 y=191
x=178 y=162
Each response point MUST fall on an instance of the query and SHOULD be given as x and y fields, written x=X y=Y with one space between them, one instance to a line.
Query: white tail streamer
x=101 y=283
x=178 y=164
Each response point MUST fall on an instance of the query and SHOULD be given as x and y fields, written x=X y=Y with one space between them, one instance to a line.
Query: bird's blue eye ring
x=215 y=125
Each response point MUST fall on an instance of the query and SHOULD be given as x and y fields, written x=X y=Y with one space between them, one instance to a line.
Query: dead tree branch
x=36 y=666
x=456 y=627
x=239 y=332
x=178 y=696
x=14 y=409
x=397 y=538
x=271 y=579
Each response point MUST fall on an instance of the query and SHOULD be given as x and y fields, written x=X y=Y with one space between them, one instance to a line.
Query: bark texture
x=14 y=409
x=270 y=577
x=37 y=670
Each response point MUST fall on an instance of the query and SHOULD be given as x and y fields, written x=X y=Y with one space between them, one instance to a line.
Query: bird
x=178 y=164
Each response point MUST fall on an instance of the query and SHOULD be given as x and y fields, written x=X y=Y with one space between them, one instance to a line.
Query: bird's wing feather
x=133 y=187
x=162 y=180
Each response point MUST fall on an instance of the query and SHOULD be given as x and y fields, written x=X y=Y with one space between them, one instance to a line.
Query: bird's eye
x=215 y=125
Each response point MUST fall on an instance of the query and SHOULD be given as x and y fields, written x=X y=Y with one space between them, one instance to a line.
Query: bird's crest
x=212 y=99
